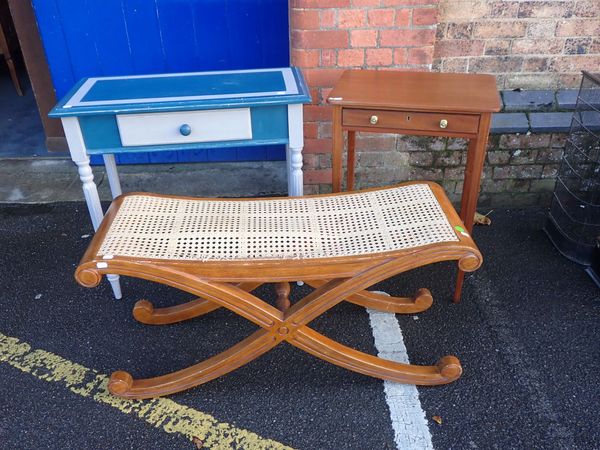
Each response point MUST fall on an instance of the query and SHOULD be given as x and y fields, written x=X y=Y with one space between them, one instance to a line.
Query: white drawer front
x=198 y=126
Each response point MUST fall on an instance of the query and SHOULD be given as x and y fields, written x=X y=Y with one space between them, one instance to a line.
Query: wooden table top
x=416 y=91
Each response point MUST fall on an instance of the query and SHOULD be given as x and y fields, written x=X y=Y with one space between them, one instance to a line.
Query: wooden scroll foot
x=447 y=370
x=123 y=385
x=144 y=311
x=419 y=302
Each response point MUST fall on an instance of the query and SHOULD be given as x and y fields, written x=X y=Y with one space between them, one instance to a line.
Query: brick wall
x=329 y=36
x=527 y=44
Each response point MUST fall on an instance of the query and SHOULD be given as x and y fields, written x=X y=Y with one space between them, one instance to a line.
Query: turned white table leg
x=115 y=189
x=90 y=191
x=294 y=152
x=112 y=174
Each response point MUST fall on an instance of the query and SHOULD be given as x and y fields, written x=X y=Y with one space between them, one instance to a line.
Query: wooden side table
x=416 y=103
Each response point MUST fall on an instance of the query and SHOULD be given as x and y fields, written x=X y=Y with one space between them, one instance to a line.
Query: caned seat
x=158 y=227
x=221 y=250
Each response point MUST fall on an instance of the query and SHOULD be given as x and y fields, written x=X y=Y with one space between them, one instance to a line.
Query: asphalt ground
x=526 y=332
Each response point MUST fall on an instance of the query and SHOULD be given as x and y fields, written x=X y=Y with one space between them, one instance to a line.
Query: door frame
x=38 y=71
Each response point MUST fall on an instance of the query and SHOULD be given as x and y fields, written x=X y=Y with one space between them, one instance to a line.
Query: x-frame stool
x=219 y=280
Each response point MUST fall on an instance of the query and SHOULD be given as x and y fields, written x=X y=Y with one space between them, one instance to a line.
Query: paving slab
x=550 y=122
x=567 y=98
x=509 y=123
x=527 y=100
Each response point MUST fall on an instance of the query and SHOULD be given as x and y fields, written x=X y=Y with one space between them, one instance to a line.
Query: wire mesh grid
x=575 y=207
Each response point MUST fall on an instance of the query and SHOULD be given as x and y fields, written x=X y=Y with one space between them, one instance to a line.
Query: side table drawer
x=407 y=120
x=185 y=127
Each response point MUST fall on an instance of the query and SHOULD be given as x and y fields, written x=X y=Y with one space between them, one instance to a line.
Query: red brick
x=366 y=2
x=304 y=19
x=420 y=56
x=328 y=58
x=305 y=58
x=320 y=39
x=400 y=56
x=363 y=38
x=314 y=94
x=379 y=56
x=351 y=57
x=325 y=93
x=310 y=161
x=328 y=19
x=310 y=130
x=408 y=2
x=351 y=18
x=325 y=129
x=458 y=48
x=381 y=17
x=403 y=17
x=317 y=145
x=322 y=77
x=316 y=113
x=317 y=176
x=319 y=3
x=412 y=38
x=424 y=16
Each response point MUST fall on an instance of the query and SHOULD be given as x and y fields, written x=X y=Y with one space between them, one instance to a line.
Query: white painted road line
x=408 y=418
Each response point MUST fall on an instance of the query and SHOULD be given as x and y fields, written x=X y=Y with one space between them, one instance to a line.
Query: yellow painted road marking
x=160 y=412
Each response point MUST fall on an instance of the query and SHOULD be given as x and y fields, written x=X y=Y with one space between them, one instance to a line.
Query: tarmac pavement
x=526 y=333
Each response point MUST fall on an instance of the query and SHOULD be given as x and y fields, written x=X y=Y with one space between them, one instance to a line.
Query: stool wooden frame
x=229 y=283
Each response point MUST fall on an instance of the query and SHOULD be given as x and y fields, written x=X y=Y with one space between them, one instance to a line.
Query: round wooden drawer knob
x=443 y=123
x=374 y=120
x=185 y=129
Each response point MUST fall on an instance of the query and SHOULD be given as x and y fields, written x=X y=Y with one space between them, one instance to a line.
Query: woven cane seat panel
x=289 y=228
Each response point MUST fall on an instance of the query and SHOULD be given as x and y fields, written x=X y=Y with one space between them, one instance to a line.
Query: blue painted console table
x=186 y=111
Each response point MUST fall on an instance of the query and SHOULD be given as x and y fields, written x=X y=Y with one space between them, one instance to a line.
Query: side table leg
x=468 y=205
x=294 y=151
x=351 y=160
x=90 y=190
x=337 y=147
x=112 y=174
x=295 y=176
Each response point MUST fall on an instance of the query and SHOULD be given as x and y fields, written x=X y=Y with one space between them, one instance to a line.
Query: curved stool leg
x=144 y=311
x=447 y=369
x=419 y=302
x=123 y=385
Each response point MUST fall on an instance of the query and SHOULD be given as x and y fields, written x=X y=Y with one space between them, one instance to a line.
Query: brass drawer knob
x=443 y=123
x=374 y=120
